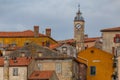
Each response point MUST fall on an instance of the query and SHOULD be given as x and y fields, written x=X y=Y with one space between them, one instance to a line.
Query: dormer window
x=40 y=54
x=23 y=54
x=64 y=50
x=117 y=38
x=13 y=44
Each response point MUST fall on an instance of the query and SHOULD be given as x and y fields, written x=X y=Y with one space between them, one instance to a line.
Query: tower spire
x=78 y=7
x=78 y=16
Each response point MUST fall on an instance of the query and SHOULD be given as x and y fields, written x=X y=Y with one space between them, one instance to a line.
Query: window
x=117 y=39
x=58 y=67
x=64 y=50
x=40 y=66
x=92 y=70
x=15 y=71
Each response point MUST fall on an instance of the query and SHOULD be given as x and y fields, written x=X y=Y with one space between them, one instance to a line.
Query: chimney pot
x=36 y=31
x=48 y=32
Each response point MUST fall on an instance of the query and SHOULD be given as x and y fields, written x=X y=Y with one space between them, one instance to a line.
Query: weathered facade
x=66 y=68
x=25 y=37
x=79 y=30
x=65 y=49
x=14 y=69
x=82 y=71
x=117 y=69
x=111 y=39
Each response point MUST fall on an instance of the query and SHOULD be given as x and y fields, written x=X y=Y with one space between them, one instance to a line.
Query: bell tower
x=79 y=30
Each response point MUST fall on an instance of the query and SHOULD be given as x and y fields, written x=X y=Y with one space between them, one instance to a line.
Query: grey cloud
x=59 y=15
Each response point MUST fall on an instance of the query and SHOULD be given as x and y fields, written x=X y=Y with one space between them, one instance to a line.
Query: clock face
x=78 y=26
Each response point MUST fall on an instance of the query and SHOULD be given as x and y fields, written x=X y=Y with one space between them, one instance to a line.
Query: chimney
x=36 y=31
x=48 y=32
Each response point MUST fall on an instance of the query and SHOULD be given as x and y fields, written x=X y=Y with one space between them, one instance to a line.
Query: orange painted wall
x=22 y=41
x=101 y=59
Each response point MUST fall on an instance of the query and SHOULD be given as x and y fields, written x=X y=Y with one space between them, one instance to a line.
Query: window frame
x=92 y=70
x=40 y=66
x=64 y=50
x=15 y=71
x=58 y=67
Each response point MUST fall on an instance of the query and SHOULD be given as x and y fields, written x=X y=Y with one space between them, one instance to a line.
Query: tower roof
x=78 y=16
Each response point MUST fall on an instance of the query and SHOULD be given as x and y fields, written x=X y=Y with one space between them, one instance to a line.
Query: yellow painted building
x=25 y=37
x=100 y=63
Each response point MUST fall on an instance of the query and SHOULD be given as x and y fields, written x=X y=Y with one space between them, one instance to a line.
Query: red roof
x=41 y=75
x=21 y=61
x=86 y=40
x=27 y=33
x=67 y=41
x=111 y=29
x=52 y=46
x=91 y=39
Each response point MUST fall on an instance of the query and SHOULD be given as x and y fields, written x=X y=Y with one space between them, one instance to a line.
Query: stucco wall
x=108 y=41
x=22 y=41
x=103 y=62
x=1 y=73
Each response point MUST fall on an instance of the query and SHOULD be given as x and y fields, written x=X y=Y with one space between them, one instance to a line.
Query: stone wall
x=66 y=72
x=22 y=73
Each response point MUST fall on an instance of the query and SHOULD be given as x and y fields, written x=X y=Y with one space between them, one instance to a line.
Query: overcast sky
x=19 y=15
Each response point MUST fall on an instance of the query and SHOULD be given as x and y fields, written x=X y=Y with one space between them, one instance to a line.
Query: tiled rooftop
x=27 y=33
x=41 y=75
x=20 y=61
x=111 y=29
x=92 y=39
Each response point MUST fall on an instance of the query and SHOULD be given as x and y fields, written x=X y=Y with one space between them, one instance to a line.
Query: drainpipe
x=6 y=68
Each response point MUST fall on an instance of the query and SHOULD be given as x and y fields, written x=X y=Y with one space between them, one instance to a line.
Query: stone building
x=111 y=39
x=23 y=68
x=14 y=69
x=65 y=67
x=81 y=41
x=33 y=50
x=65 y=49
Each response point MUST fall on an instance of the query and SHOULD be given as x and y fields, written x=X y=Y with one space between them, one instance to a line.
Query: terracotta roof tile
x=20 y=61
x=67 y=41
x=27 y=33
x=92 y=39
x=111 y=29
x=41 y=75
x=53 y=46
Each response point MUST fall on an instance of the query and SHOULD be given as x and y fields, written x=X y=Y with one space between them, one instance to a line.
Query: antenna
x=78 y=6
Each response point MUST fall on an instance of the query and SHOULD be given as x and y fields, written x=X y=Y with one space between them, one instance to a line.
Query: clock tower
x=79 y=30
